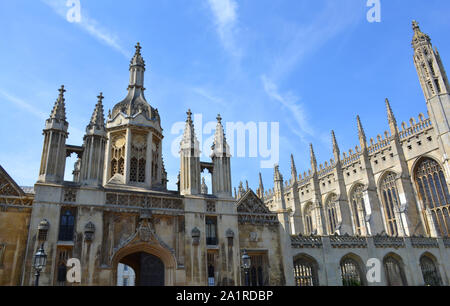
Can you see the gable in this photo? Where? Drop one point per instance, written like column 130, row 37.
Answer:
column 250, row 203
column 7, row 185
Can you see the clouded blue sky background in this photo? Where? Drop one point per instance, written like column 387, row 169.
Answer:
column 310, row 65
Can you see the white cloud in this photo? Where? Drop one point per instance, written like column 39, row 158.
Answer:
column 290, row 102
column 303, row 40
column 90, row 25
column 226, row 17
column 23, row 105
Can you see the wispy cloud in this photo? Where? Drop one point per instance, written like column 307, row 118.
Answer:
column 90, row 25
column 226, row 21
column 290, row 102
column 23, row 105
column 209, row 96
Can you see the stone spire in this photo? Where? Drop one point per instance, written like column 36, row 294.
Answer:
column 59, row 110
column 260, row 190
column 241, row 190
column 204, row 187
column 391, row 119
column 190, row 175
column 137, row 68
column 361, row 134
column 277, row 176
column 98, row 116
column 220, row 146
column 135, row 102
column 53, row 160
column 336, row 151
column 293, row 170
column 313, row 159
column 221, row 176
column 189, row 140
column 419, row 37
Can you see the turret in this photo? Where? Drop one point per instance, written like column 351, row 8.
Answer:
column 92, row 164
column 190, row 160
column 53, row 159
column 221, row 177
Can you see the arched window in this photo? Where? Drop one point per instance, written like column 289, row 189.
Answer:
column 433, row 192
column 309, row 229
column 118, row 156
column 332, row 217
column 351, row 272
column 138, row 159
column 430, row 272
column 358, row 209
column 393, row 267
column 305, row 272
column 391, row 202
column 66, row 225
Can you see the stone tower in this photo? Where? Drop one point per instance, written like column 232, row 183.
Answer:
column 134, row 147
column 92, row 165
column 221, row 177
column 436, row 88
column 190, row 173
column 53, row 159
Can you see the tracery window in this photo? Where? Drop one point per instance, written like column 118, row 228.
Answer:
column 391, row 202
column 433, row 192
column 309, row 229
column 138, row 159
column 331, row 208
column 351, row 273
column 66, row 225
column 211, row 231
column 118, row 156
column 395, row 275
column 358, row 209
column 258, row 272
column 305, row 272
column 62, row 255
column 155, row 159
column 430, row 272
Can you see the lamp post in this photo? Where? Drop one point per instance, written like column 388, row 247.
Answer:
column 246, row 264
column 39, row 261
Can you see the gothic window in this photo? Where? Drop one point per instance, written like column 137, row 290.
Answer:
column 155, row 159
column 351, row 272
column 358, row 209
column 211, row 263
column 118, row 156
column 258, row 270
column 390, row 203
column 331, row 209
column 211, row 231
column 138, row 159
column 309, row 229
column 393, row 268
column 430, row 272
column 433, row 192
column 62, row 255
column 66, row 225
column 305, row 272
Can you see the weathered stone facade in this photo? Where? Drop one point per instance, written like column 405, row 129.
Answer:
column 388, row 200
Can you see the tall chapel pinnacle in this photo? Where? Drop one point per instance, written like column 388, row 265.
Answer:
column 59, row 110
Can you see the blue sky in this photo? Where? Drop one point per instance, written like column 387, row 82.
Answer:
column 310, row 65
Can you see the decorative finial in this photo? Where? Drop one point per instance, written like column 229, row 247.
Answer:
column 138, row 48
column 189, row 113
column 415, row 25
column 219, row 118
column 100, row 97
column 61, row 90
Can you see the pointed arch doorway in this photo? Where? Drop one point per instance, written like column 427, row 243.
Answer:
column 152, row 264
column 149, row 269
